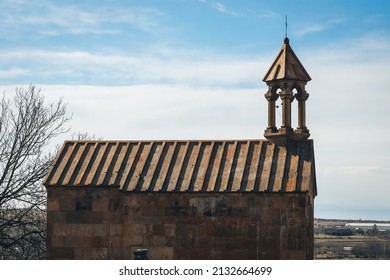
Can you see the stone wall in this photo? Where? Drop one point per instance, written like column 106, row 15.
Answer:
column 103, row 223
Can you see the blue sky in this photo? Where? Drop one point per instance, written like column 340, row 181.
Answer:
column 193, row 69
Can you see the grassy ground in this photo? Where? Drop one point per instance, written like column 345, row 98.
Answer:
column 331, row 247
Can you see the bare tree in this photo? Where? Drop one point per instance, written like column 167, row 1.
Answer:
column 85, row 136
column 27, row 124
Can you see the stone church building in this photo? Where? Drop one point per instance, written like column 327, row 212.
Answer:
column 231, row 199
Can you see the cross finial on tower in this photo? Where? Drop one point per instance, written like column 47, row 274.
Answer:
column 286, row 26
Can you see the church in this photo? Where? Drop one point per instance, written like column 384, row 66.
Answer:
column 214, row 199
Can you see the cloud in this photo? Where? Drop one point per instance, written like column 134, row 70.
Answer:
column 161, row 111
column 49, row 19
column 267, row 14
column 352, row 170
column 219, row 7
column 317, row 27
column 13, row 73
column 249, row 12
column 110, row 69
column 222, row 8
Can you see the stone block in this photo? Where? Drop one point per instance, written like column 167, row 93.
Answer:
column 161, row 253
column 101, row 230
column 78, row 253
column 302, row 201
column 294, row 239
column 82, row 229
column 100, row 242
column 96, row 253
column 232, row 254
column 235, row 200
column 158, row 229
column 205, row 229
column 162, row 201
column 203, row 243
column 300, row 213
column 177, row 209
column 76, row 242
column 252, row 231
column 83, row 204
column 280, row 202
column 61, row 253
column 112, row 193
column 250, row 244
column 111, row 217
column 114, row 204
column 238, row 212
column 133, row 211
column 199, row 254
column 145, row 220
column 61, row 230
column 219, row 243
column 158, row 241
column 151, row 211
column 53, row 204
column 185, row 241
column 181, row 253
column 57, row 242
column 75, row 217
column 215, row 254
column 250, row 201
column 58, row 217
column 100, row 204
column 262, row 201
column 295, row 221
column 115, row 242
column 67, row 204
column 296, row 255
column 87, row 241
column 134, row 229
column 133, row 201
column 133, row 240
column 190, row 220
column 169, row 229
column 232, row 244
column 117, row 254
column 169, row 241
column 116, row 230
column 93, row 217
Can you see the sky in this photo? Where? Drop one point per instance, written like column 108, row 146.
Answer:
column 193, row 69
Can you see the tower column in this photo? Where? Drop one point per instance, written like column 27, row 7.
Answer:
column 287, row 97
column 271, row 115
column 271, row 98
column 301, row 114
column 302, row 97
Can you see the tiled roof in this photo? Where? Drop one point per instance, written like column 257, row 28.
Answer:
column 185, row 166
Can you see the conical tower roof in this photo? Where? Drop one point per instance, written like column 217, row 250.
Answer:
column 286, row 66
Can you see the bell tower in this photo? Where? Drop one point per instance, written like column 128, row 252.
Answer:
column 286, row 79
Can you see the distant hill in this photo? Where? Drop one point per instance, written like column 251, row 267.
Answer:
column 337, row 221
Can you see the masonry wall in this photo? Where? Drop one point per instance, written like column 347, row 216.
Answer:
column 104, row 223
